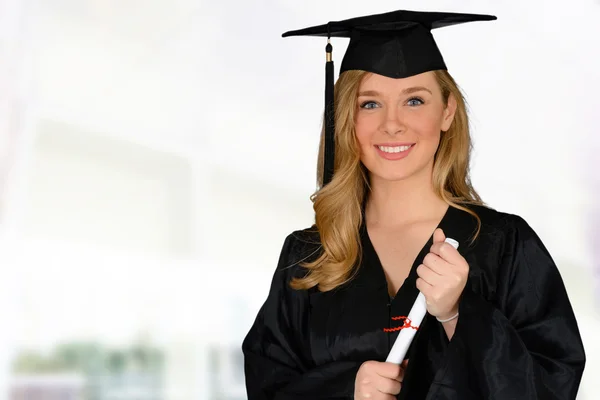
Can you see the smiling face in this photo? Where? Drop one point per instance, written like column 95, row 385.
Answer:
column 398, row 124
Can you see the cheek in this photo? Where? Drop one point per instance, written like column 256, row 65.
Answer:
column 365, row 128
column 426, row 125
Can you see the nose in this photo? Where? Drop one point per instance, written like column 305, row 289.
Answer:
column 393, row 123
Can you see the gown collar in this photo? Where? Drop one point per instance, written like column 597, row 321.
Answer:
column 455, row 223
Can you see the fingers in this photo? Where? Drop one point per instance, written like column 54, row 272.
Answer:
column 371, row 396
column 428, row 274
column 436, row 263
column 389, row 370
column 383, row 369
column 442, row 276
column 447, row 252
column 379, row 380
column 424, row 287
column 439, row 236
column 387, row 385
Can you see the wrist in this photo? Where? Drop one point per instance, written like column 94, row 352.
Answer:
column 453, row 314
column 452, row 318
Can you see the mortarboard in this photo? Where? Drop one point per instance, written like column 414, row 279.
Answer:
column 396, row 44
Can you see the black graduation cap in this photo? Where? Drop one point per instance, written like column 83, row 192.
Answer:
column 396, row 44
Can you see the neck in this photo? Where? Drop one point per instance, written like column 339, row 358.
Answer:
column 395, row 203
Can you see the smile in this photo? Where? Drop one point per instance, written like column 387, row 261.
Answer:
column 395, row 149
column 392, row 152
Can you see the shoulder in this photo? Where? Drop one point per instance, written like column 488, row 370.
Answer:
column 507, row 241
column 301, row 241
column 299, row 247
column 505, row 237
column 494, row 222
column 485, row 229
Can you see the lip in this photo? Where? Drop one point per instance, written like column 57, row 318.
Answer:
column 394, row 156
column 395, row 144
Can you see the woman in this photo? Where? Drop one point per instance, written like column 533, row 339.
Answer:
column 499, row 323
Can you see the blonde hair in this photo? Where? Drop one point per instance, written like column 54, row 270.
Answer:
column 339, row 205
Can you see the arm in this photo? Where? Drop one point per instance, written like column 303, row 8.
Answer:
column 528, row 346
column 277, row 360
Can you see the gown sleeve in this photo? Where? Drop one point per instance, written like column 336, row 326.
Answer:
column 277, row 362
column 528, row 345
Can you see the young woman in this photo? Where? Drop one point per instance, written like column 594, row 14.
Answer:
column 499, row 323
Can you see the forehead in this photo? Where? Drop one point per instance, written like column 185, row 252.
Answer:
column 384, row 84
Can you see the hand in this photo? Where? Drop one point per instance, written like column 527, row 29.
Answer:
column 442, row 277
column 379, row 380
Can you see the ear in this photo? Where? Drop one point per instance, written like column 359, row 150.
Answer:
column 449, row 113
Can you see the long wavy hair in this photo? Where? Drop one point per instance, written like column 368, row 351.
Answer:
column 338, row 205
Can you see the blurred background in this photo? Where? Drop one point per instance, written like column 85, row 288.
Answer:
column 154, row 154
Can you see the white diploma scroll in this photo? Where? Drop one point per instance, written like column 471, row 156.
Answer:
column 416, row 315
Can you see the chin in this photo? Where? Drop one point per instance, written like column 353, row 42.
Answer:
column 399, row 172
column 392, row 176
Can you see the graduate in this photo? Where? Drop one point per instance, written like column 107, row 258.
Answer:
column 393, row 184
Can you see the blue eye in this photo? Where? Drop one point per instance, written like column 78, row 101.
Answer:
column 368, row 105
column 415, row 101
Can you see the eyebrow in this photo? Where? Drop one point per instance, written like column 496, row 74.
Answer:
column 409, row 90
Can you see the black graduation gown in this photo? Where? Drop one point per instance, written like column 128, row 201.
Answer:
column 516, row 337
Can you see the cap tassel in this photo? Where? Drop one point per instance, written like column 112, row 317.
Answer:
column 329, row 117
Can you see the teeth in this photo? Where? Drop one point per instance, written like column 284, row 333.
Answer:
column 396, row 149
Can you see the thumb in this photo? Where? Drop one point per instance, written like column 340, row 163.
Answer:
column 438, row 236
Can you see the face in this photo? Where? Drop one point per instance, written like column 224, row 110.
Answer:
column 399, row 123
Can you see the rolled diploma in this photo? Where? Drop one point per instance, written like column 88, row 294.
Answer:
column 416, row 315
